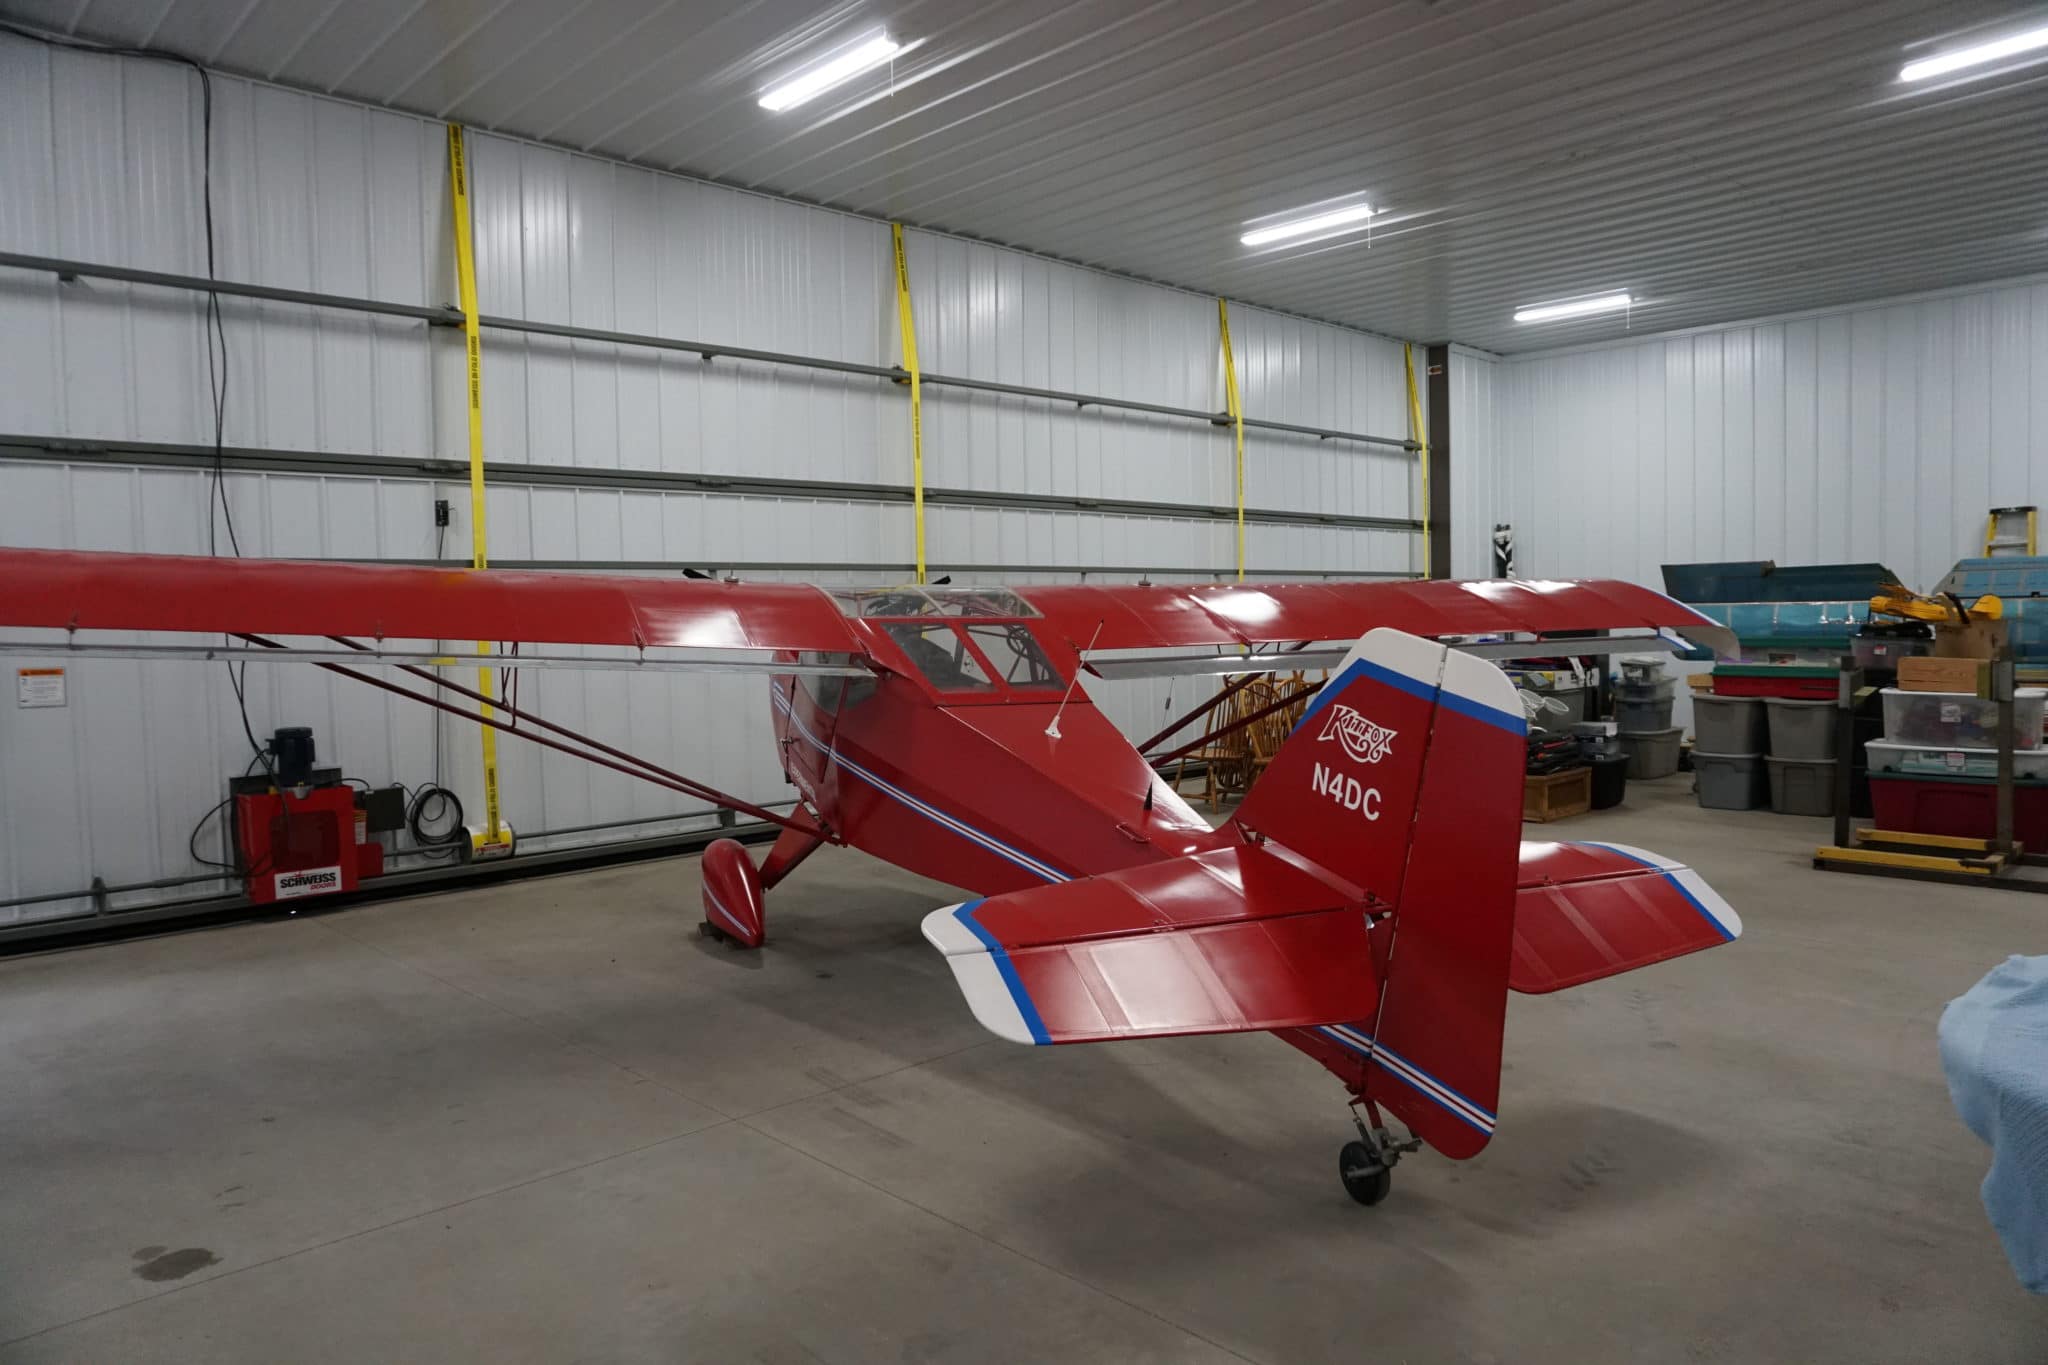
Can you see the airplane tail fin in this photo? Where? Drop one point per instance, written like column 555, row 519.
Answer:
column 1404, row 778
column 1377, row 920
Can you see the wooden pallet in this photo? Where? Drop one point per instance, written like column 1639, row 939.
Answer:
column 1554, row 796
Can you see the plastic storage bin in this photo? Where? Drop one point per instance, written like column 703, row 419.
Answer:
column 1957, row 720
column 1728, row 725
column 1964, row 807
column 1642, row 717
column 1559, row 722
column 1802, row 730
column 1730, row 781
column 1642, row 671
column 1815, row 681
column 1889, row 756
column 1652, row 754
column 1802, row 786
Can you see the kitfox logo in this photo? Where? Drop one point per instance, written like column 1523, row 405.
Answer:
column 1366, row 743
column 1363, row 740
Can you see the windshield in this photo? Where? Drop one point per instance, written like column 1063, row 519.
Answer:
column 941, row 655
column 1014, row 655
column 927, row 601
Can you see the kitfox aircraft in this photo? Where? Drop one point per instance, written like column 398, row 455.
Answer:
column 1370, row 902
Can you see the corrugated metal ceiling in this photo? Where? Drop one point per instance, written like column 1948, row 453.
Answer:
column 1719, row 160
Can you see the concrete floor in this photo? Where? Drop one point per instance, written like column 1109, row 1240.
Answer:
column 547, row 1123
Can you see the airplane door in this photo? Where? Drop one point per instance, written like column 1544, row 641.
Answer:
column 810, row 707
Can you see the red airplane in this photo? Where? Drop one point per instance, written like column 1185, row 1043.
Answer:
column 1370, row 902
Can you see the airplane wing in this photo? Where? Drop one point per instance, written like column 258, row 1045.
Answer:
column 1162, row 616
column 1585, row 911
column 75, row 590
column 1220, row 942
column 81, row 590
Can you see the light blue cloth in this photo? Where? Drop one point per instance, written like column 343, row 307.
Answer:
column 1994, row 1047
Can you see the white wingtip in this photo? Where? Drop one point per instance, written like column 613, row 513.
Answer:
column 975, row 970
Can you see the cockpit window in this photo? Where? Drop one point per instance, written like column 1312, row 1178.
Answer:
column 827, row 689
column 1014, row 655
column 938, row 652
column 927, row 601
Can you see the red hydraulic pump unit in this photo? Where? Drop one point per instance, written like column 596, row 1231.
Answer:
column 301, row 831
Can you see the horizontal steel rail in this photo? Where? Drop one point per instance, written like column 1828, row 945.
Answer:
column 202, row 652
column 504, row 473
column 709, row 350
column 891, row 571
column 73, row 270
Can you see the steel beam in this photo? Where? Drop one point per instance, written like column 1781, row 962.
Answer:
column 267, row 460
column 709, row 350
column 1443, row 441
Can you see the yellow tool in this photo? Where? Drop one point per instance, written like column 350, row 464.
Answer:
column 2009, row 531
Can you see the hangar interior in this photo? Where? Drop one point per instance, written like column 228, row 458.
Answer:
column 1238, row 315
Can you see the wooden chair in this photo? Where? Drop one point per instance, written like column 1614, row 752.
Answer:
column 1232, row 762
column 1225, row 758
column 1265, row 735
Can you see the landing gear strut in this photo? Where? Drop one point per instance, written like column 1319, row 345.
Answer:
column 1367, row 1166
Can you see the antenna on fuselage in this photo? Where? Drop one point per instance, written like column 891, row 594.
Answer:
column 1052, row 731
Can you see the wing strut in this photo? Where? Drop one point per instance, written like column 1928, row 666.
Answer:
column 632, row 765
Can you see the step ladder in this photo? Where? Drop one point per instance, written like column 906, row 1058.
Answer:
column 2009, row 532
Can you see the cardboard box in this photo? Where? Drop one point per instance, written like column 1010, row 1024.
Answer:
column 1926, row 674
column 1970, row 640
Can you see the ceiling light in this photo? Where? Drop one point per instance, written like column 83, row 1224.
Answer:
column 1307, row 227
column 1941, row 63
column 862, row 54
column 1573, row 308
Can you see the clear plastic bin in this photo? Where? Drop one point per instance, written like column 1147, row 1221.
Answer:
column 1889, row 756
column 1957, row 720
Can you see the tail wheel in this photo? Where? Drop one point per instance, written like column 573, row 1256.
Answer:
column 1365, row 1177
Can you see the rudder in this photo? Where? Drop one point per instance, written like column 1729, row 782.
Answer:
column 1405, row 779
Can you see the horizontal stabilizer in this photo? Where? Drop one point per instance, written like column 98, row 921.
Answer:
column 1585, row 911
column 1227, row 941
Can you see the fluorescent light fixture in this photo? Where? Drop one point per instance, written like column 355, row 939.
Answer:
column 1307, row 227
column 1573, row 308
column 1941, row 63
column 862, row 54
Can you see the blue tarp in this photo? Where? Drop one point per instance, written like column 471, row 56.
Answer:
column 1994, row 1047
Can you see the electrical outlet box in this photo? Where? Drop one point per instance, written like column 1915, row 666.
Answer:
column 440, row 511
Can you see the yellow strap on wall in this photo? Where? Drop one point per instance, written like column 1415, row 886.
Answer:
column 1235, row 404
column 909, row 329
column 465, row 273
column 1422, row 445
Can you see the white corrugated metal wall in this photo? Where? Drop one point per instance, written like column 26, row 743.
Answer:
column 101, row 162
column 1880, row 432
